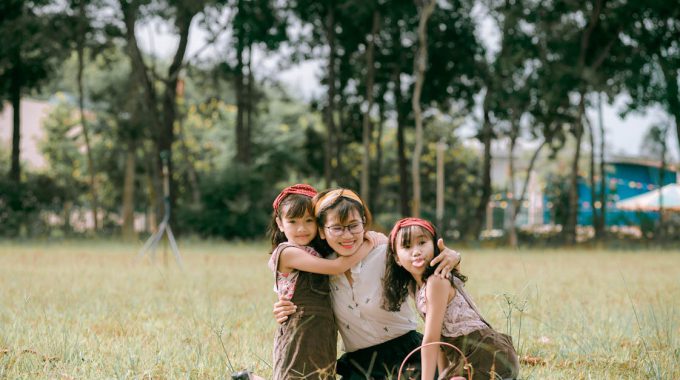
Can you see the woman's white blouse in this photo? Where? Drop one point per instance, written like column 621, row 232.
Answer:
column 358, row 312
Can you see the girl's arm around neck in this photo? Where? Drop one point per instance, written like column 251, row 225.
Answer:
column 438, row 293
column 296, row 258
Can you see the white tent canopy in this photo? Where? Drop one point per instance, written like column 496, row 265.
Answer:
column 669, row 195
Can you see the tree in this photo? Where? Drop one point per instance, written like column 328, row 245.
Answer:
column 508, row 96
column 322, row 18
column 655, row 144
column 578, row 39
column 85, row 37
column 255, row 23
column 366, row 124
column 654, row 59
column 161, row 104
column 419, row 65
column 27, row 61
column 398, row 22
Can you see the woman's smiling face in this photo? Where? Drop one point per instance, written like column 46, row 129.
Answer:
column 346, row 243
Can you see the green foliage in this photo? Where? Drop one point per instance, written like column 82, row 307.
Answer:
column 30, row 50
column 61, row 148
column 235, row 204
column 453, row 76
column 528, row 87
column 25, row 207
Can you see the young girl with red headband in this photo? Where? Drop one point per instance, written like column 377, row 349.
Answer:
column 450, row 315
column 305, row 345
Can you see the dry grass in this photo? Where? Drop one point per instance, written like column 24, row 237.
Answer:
column 91, row 311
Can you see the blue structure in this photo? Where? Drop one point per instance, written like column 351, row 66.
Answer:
column 625, row 178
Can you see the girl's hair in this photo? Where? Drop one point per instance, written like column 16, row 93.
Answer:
column 295, row 206
column 342, row 201
column 398, row 282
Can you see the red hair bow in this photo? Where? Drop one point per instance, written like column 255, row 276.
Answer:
column 408, row 222
column 299, row 188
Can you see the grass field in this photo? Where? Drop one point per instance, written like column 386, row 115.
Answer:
column 90, row 310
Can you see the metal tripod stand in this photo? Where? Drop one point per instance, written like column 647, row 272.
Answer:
column 163, row 228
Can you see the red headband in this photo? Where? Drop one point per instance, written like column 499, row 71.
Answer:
column 408, row 222
column 301, row 189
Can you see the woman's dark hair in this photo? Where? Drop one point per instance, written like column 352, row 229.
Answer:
column 344, row 207
column 295, row 206
column 397, row 281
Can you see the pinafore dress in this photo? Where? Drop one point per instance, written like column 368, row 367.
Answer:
column 305, row 345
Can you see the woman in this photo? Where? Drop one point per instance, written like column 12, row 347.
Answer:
column 375, row 340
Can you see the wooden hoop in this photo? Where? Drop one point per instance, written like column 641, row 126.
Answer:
column 467, row 365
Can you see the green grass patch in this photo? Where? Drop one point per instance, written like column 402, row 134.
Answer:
column 86, row 310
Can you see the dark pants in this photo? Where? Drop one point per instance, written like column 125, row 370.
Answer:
column 383, row 360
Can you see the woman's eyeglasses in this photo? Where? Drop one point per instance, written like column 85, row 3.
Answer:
column 353, row 228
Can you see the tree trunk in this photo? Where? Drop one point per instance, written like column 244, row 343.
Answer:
column 339, row 174
column 660, row 228
column 192, row 176
column 603, row 174
column 572, row 214
column 419, row 67
column 570, row 230
column 68, row 229
column 597, row 226
column 485, row 135
column 150, row 99
column 439, row 208
column 154, row 190
column 672, row 94
column 401, row 146
column 128, row 207
column 241, row 155
column 515, row 207
column 519, row 200
column 163, row 125
column 377, row 173
column 330, row 108
column 250, row 103
column 80, row 40
column 183, row 23
column 15, row 98
column 366, row 127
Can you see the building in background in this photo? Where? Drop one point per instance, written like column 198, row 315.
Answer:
column 626, row 177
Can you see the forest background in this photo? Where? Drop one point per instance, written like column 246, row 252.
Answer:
column 399, row 78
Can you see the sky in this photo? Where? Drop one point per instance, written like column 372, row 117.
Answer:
column 623, row 135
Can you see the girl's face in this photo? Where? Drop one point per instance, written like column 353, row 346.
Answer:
column 414, row 255
column 344, row 238
column 299, row 230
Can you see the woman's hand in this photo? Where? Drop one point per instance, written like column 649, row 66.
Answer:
column 446, row 261
column 282, row 309
column 375, row 237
